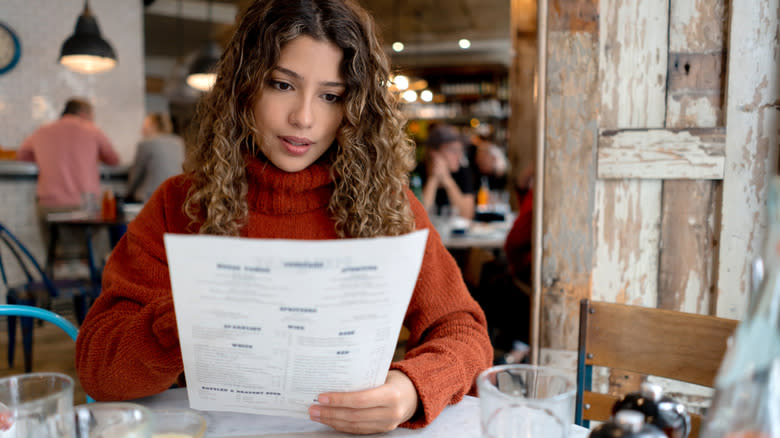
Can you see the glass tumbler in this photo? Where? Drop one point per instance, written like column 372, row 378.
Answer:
column 36, row 405
column 178, row 423
column 525, row 401
column 113, row 420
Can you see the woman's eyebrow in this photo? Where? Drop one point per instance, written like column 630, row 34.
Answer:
column 297, row 76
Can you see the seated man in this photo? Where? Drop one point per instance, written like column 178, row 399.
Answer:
column 445, row 174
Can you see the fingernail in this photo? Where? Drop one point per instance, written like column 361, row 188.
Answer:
column 314, row 413
column 323, row 399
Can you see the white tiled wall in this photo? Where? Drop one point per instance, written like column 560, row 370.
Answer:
column 35, row 91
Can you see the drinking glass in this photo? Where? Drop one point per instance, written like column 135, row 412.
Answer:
column 525, row 401
column 178, row 423
column 36, row 405
column 113, row 420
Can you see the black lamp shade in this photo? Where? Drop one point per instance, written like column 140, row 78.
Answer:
column 85, row 50
column 202, row 72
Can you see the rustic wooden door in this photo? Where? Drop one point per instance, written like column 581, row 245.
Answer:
column 660, row 138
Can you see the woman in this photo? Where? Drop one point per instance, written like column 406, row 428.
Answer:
column 299, row 139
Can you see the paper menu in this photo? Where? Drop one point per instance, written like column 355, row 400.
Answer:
column 265, row 325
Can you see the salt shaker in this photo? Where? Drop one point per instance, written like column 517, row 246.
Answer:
column 627, row 424
column 660, row 410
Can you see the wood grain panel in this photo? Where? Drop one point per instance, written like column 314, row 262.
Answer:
column 574, row 15
column 686, row 262
column 751, row 145
column 631, row 33
column 570, row 174
column 696, row 84
column 662, row 154
column 680, row 346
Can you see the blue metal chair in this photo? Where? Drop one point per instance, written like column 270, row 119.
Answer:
column 36, row 284
column 36, row 312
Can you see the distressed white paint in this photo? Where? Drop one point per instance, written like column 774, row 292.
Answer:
column 692, row 299
column 692, row 28
column 627, row 213
column 627, row 234
column 565, row 360
column 751, row 146
column 632, row 63
column 661, row 154
column 691, row 111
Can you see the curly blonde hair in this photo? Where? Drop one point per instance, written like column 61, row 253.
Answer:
column 372, row 156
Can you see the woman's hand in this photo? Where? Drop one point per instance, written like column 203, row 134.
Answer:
column 375, row 410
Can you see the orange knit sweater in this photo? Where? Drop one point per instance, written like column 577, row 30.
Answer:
column 128, row 346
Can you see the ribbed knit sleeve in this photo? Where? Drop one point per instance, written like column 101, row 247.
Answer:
column 128, row 346
column 448, row 345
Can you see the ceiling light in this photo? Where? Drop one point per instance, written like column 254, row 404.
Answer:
column 202, row 73
column 409, row 95
column 464, row 43
column 398, row 46
column 85, row 51
column 426, row 95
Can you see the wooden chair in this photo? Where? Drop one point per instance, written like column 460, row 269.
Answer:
column 676, row 345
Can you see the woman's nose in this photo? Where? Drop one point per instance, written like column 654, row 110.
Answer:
column 302, row 114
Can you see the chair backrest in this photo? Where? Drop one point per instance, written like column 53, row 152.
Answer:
column 665, row 343
column 30, row 267
column 37, row 312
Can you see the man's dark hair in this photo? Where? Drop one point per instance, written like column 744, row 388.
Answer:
column 77, row 106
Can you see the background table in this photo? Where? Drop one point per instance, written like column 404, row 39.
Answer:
column 458, row 421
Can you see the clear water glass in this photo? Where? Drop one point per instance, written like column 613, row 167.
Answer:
column 525, row 401
column 113, row 420
column 36, row 405
column 178, row 423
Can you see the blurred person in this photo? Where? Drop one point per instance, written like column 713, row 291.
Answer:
column 67, row 152
column 487, row 160
column 158, row 157
column 446, row 178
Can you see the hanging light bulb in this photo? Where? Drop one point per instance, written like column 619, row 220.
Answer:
column 85, row 51
column 202, row 73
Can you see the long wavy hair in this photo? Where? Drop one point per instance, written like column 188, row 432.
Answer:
column 371, row 157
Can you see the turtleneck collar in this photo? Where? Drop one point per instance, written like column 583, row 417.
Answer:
column 274, row 191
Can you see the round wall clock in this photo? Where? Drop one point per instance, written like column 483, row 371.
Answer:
column 10, row 48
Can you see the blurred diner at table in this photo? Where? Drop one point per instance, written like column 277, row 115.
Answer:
column 159, row 156
column 67, row 152
column 447, row 183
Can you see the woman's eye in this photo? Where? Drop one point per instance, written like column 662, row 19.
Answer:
column 332, row 98
column 281, row 86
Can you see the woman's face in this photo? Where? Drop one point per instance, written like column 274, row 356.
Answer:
column 300, row 108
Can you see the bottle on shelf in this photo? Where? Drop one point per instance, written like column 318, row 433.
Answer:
column 746, row 402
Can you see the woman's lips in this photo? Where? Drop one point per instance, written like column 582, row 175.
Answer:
column 296, row 145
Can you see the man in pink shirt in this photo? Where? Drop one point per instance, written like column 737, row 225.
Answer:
column 67, row 152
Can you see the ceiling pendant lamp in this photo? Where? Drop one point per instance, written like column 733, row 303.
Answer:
column 202, row 72
column 85, row 51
